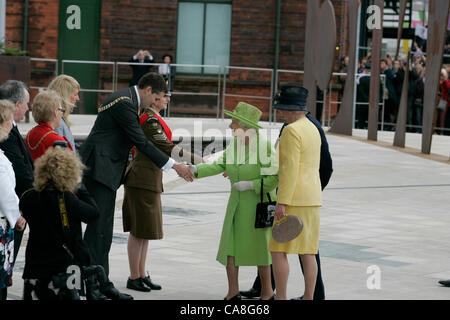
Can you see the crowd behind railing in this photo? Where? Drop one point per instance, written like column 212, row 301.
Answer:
column 391, row 83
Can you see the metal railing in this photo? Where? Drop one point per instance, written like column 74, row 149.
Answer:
column 221, row 94
column 219, row 73
column 224, row 94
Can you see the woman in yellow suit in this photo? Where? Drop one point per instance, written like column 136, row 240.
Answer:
column 299, row 189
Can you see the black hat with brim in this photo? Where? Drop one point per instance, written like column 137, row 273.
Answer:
column 291, row 98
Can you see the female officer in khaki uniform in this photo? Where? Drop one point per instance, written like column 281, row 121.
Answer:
column 141, row 209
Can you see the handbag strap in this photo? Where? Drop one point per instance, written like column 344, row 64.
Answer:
column 261, row 192
column 64, row 222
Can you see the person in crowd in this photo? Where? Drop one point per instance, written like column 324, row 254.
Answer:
column 14, row 146
column 48, row 113
column 442, row 102
column 325, row 171
column 54, row 210
column 342, row 78
column 67, row 88
column 299, row 190
column 399, row 71
column 241, row 244
column 418, row 97
column 412, row 84
column 141, row 210
column 167, row 71
column 392, row 102
column 362, row 98
column 10, row 216
column 105, row 152
column 141, row 57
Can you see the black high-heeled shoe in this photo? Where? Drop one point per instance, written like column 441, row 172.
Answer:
column 234, row 298
column 271, row 298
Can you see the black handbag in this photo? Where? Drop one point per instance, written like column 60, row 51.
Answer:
column 265, row 211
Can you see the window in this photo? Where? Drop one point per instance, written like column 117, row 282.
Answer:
column 203, row 36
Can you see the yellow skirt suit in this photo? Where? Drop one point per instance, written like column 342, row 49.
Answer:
column 299, row 185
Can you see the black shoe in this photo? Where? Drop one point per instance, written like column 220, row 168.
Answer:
column 252, row 293
column 271, row 298
column 148, row 282
column 138, row 285
column 297, row 298
column 114, row 294
column 445, row 283
column 235, row 298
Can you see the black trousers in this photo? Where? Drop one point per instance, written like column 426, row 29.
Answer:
column 3, row 294
column 18, row 235
column 98, row 234
column 319, row 291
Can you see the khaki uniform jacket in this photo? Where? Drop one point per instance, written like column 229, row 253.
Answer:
column 299, row 161
column 142, row 172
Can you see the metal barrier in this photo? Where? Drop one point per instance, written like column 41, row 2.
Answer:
column 117, row 64
column 222, row 88
column 224, row 94
column 45, row 60
column 91, row 62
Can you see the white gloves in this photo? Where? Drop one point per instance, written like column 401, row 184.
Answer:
column 244, row 185
column 193, row 169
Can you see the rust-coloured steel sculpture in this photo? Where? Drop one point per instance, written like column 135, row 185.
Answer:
column 437, row 27
column 320, row 48
column 401, row 19
column 374, row 97
column 344, row 120
column 400, row 128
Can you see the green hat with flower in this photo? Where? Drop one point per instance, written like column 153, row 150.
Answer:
column 247, row 114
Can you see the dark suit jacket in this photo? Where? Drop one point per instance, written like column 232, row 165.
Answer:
column 17, row 152
column 106, row 149
column 326, row 163
column 139, row 70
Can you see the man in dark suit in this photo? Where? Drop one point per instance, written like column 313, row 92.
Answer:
column 325, row 171
column 142, row 57
column 105, row 153
column 15, row 149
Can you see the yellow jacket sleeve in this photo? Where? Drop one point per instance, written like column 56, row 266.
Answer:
column 289, row 165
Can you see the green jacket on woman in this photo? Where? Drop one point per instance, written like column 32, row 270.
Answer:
column 240, row 238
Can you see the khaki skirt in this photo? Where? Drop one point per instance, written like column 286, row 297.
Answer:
column 307, row 242
column 142, row 213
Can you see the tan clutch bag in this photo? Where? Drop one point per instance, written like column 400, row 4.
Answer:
column 287, row 228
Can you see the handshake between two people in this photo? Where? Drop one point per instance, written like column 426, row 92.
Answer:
column 187, row 171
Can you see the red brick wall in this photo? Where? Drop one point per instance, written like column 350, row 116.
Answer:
column 128, row 26
column 42, row 26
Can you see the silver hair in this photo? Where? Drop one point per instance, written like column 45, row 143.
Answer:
column 13, row 91
column 246, row 126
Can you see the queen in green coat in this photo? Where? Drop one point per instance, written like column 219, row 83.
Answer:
column 248, row 160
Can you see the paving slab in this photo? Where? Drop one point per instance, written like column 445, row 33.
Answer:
column 382, row 209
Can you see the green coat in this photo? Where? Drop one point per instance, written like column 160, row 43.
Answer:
column 240, row 238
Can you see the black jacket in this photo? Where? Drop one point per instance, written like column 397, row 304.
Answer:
column 326, row 163
column 106, row 149
column 45, row 255
column 139, row 70
column 17, row 152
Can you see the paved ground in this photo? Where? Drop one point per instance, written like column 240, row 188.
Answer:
column 382, row 208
